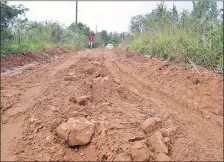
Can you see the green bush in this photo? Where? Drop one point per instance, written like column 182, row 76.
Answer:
column 169, row 35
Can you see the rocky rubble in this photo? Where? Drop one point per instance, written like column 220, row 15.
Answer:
column 76, row 131
column 159, row 140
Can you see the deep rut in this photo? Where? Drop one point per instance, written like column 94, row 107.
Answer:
column 125, row 90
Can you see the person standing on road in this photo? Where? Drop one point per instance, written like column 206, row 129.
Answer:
column 91, row 40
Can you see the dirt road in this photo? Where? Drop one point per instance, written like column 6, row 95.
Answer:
column 125, row 90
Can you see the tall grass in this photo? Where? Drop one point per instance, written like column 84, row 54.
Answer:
column 198, row 38
column 177, row 45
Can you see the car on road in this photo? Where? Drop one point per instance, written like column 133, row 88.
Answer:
column 109, row 46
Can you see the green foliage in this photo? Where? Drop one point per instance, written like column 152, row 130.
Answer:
column 102, row 38
column 167, row 34
column 19, row 35
column 136, row 24
column 10, row 13
column 82, row 29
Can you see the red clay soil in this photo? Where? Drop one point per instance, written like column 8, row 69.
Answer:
column 28, row 57
column 125, row 90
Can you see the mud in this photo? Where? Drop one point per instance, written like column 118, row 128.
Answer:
column 123, row 91
column 25, row 58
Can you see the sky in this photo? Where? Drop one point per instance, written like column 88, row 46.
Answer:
column 106, row 15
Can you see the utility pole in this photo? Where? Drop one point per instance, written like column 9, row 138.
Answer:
column 76, row 20
column 96, row 29
column 193, row 5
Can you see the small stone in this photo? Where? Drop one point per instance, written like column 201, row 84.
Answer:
column 96, row 63
column 158, row 143
column 4, row 120
column 149, row 124
column 70, row 78
column 139, row 151
column 105, row 78
column 206, row 114
column 76, row 131
column 71, row 74
column 90, row 71
column 169, row 132
column 50, row 138
column 54, row 109
column 120, row 158
column 122, row 89
column 163, row 157
column 33, row 119
column 82, row 100
column 73, row 100
column 195, row 81
column 89, row 84
column 89, row 117
column 166, row 140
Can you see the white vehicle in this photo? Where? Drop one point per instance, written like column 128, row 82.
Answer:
column 109, row 46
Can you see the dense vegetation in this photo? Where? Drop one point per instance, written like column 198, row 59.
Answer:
column 20, row 35
column 197, row 35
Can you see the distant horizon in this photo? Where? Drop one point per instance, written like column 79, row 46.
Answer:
column 106, row 15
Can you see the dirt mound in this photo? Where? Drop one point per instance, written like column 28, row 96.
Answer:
column 138, row 106
column 28, row 57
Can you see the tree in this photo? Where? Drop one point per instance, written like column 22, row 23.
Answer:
column 103, row 35
column 82, row 28
column 9, row 17
column 10, row 13
column 136, row 24
column 174, row 15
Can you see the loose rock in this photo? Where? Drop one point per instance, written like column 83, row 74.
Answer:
column 69, row 78
column 120, row 158
column 149, row 124
column 122, row 89
column 158, row 143
column 163, row 157
column 195, row 81
column 169, row 131
column 167, row 140
column 76, row 131
column 89, row 84
column 90, row 71
column 33, row 119
column 140, row 152
column 49, row 138
column 54, row 109
column 82, row 100
column 72, row 99
column 206, row 114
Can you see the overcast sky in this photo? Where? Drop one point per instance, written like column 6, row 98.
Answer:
column 108, row 15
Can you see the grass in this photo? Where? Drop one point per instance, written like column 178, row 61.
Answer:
column 178, row 44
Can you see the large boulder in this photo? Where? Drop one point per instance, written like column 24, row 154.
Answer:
column 76, row 131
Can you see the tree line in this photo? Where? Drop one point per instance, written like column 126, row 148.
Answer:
column 178, row 36
column 18, row 34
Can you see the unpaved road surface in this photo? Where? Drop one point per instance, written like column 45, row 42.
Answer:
column 125, row 89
